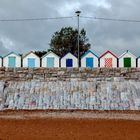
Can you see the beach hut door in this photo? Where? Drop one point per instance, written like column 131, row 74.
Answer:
column 69, row 63
column 108, row 62
column 50, row 62
column 127, row 62
column 12, row 61
column 31, row 62
column 89, row 62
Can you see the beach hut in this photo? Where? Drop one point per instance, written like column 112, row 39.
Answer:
column 89, row 60
column 138, row 61
column 69, row 61
column 50, row 60
column 12, row 60
column 31, row 60
column 127, row 60
column 108, row 60
column 0, row 61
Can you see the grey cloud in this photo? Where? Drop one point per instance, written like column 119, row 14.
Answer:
column 103, row 35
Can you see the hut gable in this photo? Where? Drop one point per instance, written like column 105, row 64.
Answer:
column 12, row 60
column 108, row 60
column 127, row 54
column 50, row 53
column 69, row 60
column 89, row 60
column 108, row 52
column 50, row 60
column 31, row 60
column 31, row 53
column 89, row 52
column 127, row 59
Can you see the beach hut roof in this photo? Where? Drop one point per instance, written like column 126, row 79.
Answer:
column 30, row 53
column 11, row 53
column 67, row 54
column 126, row 53
column 49, row 53
column 89, row 51
column 108, row 52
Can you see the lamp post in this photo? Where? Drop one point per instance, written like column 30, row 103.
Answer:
column 78, row 14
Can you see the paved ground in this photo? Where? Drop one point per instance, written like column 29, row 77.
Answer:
column 81, row 125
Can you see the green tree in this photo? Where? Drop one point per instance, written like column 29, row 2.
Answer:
column 40, row 53
column 65, row 41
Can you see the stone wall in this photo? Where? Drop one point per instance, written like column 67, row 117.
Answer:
column 100, row 89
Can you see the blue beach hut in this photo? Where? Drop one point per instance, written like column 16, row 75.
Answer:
column 12, row 60
column 89, row 60
column 69, row 61
column 31, row 60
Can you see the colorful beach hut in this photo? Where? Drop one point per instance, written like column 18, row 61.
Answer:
column 12, row 60
column 69, row 61
column 127, row 60
column 89, row 60
column 138, row 61
column 0, row 61
column 31, row 60
column 50, row 60
column 108, row 60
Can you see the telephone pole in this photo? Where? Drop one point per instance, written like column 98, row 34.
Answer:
column 78, row 14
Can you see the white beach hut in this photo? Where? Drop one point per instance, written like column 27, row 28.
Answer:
column 0, row 61
column 108, row 60
column 138, row 61
column 31, row 60
column 12, row 60
column 127, row 60
column 50, row 60
column 89, row 60
column 69, row 61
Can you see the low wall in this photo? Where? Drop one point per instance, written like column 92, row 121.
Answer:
column 100, row 89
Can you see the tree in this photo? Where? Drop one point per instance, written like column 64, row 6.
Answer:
column 65, row 41
column 40, row 53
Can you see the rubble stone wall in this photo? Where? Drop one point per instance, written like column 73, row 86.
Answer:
column 92, row 89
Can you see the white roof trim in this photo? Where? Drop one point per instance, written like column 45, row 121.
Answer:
column 49, row 53
column 126, row 53
column 70, row 54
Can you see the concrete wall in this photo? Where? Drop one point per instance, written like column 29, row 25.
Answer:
column 101, row 89
column 89, row 55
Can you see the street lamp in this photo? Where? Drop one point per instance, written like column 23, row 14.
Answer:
column 78, row 14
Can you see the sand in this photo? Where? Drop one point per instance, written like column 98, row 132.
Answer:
column 30, row 126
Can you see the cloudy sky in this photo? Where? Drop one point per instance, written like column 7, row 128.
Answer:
column 103, row 35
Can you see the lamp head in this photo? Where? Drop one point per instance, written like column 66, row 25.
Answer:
column 78, row 13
